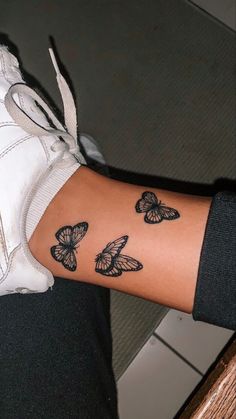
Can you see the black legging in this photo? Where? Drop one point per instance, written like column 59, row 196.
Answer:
column 56, row 354
column 56, row 347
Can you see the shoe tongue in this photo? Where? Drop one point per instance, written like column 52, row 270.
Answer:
column 9, row 66
column 9, row 71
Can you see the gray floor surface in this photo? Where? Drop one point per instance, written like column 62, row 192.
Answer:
column 155, row 84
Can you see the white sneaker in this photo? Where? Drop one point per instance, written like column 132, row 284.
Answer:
column 34, row 165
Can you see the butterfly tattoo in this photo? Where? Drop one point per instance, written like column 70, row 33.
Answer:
column 111, row 262
column 155, row 210
column 68, row 238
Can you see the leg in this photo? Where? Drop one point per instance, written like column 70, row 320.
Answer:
column 169, row 251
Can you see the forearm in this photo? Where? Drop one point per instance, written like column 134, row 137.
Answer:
column 169, row 251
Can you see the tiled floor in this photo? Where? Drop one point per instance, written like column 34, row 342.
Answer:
column 223, row 10
column 169, row 367
column 198, row 342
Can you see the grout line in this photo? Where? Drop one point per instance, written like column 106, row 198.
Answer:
column 178, row 354
column 211, row 15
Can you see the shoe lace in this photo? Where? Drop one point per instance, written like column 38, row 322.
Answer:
column 69, row 147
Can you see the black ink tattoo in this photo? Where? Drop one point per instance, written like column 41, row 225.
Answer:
column 68, row 238
column 155, row 210
column 110, row 262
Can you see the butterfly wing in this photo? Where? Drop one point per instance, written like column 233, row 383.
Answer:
column 115, row 247
column 63, row 235
column 114, row 271
column 69, row 261
column 168, row 213
column 147, row 201
column 126, row 263
column 103, row 262
column 105, row 265
column 78, row 232
column 59, row 252
column 64, row 255
column 153, row 216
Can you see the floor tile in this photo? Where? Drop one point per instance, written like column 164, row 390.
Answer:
column 224, row 10
column 198, row 342
column 156, row 384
